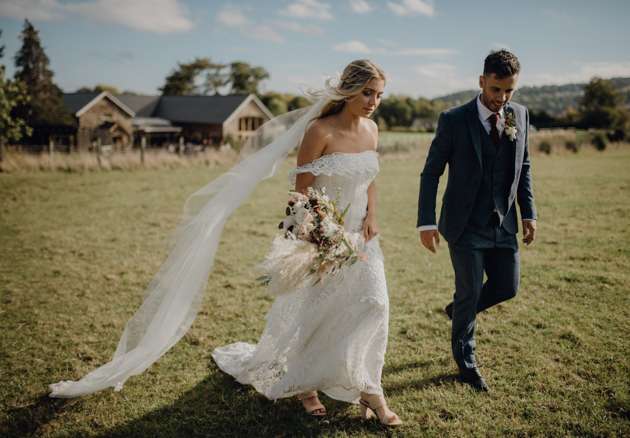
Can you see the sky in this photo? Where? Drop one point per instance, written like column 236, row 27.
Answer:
column 428, row 48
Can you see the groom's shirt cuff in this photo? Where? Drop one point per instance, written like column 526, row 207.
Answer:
column 427, row 227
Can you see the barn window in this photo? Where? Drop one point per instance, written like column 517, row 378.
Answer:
column 249, row 123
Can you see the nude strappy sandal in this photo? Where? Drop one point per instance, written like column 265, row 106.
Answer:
column 309, row 411
column 369, row 407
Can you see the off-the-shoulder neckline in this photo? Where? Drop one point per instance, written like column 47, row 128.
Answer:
column 340, row 153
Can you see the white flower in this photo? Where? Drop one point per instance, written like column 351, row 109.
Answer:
column 329, row 227
column 511, row 132
column 289, row 221
column 303, row 217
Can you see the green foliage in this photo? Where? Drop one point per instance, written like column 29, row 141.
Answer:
column 183, row 81
column 571, row 145
column 601, row 106
column 545, row 147
column 598, row 139
column 45, row 106
column 277, row 105
column 245, row 78
column 281, row 103
column 400, row 111
column 12, row 94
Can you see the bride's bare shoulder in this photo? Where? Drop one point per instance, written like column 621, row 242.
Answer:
column 372, row 128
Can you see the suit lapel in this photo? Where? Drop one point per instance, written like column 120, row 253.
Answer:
column 473, row 124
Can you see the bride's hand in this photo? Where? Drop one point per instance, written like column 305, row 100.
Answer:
column 370, row 227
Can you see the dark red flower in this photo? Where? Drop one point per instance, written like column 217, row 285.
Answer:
column 281, row 225
column 288, row 211
column 291, row 203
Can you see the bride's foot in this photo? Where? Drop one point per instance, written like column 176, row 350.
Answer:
column 372, row 403
column 311, row 404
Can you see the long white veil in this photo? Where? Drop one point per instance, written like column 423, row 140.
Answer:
column 172, row 299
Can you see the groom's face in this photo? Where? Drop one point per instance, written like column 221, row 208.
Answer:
column 496, row 93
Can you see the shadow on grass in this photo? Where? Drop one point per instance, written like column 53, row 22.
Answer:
column 217, row 406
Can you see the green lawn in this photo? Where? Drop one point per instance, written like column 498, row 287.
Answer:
column 77, row 251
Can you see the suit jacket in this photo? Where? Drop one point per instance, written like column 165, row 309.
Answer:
column 458, row 143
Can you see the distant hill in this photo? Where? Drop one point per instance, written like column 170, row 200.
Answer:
column 555, row 99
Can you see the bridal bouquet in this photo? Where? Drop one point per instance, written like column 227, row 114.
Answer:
column 314, row 243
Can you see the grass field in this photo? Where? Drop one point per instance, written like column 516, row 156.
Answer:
column 77, row 251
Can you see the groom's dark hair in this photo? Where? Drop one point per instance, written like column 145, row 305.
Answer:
column 502, row 63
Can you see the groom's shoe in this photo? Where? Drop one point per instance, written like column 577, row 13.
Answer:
column 449, row 310
column 474, row 378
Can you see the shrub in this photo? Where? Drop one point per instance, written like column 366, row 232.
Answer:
column 570, row 145
column 545, row 147
column 599, row 141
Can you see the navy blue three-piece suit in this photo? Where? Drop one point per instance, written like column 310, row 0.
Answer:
column 478, row 217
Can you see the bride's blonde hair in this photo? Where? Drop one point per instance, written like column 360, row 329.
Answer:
column 351, row 83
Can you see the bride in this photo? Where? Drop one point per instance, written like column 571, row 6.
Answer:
column 332, row 336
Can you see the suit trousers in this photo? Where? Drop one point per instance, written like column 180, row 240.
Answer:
column 490, row 249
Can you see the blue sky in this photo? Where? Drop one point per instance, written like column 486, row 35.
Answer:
column 428, row 48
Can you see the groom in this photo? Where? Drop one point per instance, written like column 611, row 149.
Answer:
column 485, row 143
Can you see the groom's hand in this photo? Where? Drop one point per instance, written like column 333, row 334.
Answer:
column 427, row 236
column 529, row 232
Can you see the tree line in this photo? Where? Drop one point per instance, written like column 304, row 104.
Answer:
column 31, row 98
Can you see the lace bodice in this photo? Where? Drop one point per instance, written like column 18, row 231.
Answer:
column 350, row 175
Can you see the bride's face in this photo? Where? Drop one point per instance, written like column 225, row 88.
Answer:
column 366, row 102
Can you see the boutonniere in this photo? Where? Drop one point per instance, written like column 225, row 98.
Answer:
column 510, row 125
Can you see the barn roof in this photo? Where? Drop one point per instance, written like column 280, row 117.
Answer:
column 198, row 109
column 79, row 103
column 177, row 109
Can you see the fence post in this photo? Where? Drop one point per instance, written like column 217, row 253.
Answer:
column 181, row 146
column 143, row 145
column 51, row 149
column 98, row 151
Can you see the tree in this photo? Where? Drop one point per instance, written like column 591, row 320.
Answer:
column 245, row 79
column 99, row 89
column 601, row 106
column 45, row 105
column 12, row 93
column 183, row 81
column 216, row 78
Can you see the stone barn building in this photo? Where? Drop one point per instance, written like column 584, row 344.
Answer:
column 207, row 119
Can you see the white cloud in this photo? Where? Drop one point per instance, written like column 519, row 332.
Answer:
column 352, row 47
column 35, row 10
column 562, row 17
column 308, row 9
column 355, row 46
column 233, row 17
column 500, row 46
column 413, row 7
column 360, row 6
column 305, row 29
column 157, row 16
column 580, row 73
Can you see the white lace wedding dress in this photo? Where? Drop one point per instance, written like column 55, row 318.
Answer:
column 330, row 337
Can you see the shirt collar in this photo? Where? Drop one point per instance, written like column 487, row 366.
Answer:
column 484, row 112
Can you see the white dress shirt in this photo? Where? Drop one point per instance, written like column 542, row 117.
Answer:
column 484, row 115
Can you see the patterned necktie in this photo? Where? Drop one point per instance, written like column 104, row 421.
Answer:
column 494, row 133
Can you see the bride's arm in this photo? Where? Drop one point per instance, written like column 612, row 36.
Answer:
column 370, row 225
column 312, row 147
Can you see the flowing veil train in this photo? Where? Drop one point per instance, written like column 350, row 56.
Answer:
column 172, row 299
